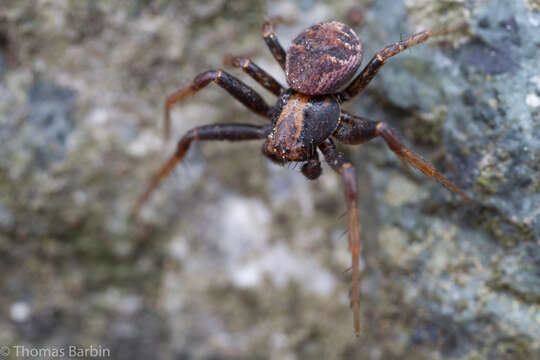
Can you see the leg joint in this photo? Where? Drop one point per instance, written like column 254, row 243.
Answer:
column 206, row 77
column 391, row 138
column 185, row 142
column 381, row 128
column 236, row 61
column 349, row 180
column 267, row 29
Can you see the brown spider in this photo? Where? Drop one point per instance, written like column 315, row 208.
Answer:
column 319, row 61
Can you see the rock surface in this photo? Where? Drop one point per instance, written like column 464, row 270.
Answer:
column 235, row 257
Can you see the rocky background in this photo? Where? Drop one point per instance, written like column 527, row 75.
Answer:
column 235, row 257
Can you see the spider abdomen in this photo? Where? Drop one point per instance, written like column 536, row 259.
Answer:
column 323, row 58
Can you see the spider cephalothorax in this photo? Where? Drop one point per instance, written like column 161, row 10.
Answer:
column 307, row 115
column 300, row 124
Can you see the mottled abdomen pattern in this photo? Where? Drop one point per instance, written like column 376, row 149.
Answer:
column 322, row 58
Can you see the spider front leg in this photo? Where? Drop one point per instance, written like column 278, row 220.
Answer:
column 362, row 130
column 374, row 65
column 272, row 42
column 235, row 87
column 337, row 161
column 256, row 73
column 230, row 132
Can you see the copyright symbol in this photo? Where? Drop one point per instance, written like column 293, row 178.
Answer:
column 4, row 351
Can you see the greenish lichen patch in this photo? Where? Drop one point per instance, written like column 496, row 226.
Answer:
column 426, row 14
column 508, row 232
column 486, row 185
column 517, row 273
column 534, row 5
column 427, row 128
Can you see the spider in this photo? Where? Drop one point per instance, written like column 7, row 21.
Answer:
column 307, row 115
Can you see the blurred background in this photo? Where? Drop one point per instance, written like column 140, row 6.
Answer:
column 235, row 257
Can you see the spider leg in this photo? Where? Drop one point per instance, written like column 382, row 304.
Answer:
column 374, row 65
column 337, row 161
column 229, row 132
column 235, row 87
column 256, row 73
column 312, row 168
column 272, row 42
column 362, row 130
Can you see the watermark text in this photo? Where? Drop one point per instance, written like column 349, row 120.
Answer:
column 53, row 352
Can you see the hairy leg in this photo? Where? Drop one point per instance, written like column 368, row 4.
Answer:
column 337, row 161
column 374, row 65
column 229, row 132
column 272, row 42
column 235, row 87
column 361, row 130
column 256, row 73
